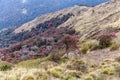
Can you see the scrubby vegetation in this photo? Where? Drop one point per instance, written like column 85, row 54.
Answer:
column 70, row 43
column 72, row 69
column 59, row 54
column 105, row 39
column 56, row 50
column 88, row 46
column 5, row 67
column 54, row 42
column 114, row 46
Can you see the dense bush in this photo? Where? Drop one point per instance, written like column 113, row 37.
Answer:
column 52, row 41
column 5, row 67
column 70, row 43
column 16, row 47
column 105, row 39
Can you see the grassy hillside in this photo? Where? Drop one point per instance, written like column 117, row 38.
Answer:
column 67, row 45
column 26, row 10
column 65, row 69
column 97, row 61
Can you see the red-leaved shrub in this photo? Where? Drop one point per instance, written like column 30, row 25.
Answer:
column 15, row 47
column 70, row 42
column 105, row 39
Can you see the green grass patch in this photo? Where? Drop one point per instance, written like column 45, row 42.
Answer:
column 32, row 63
column 88, row 46
column 108, row 71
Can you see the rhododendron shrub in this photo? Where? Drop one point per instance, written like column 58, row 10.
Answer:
column 16, row 47
column 105, row 39
column 70, row 43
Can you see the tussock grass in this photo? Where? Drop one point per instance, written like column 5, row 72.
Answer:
column 114, row 46
column 32, row 63
column 72, row 69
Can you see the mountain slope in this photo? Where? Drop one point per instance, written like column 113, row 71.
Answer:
column 41, row 23
column 99, row 18
column 87, row 21
column 68, row 45
column 17, row 12
column 75, row 11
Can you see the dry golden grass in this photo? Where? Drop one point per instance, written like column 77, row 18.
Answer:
column 103, row 70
